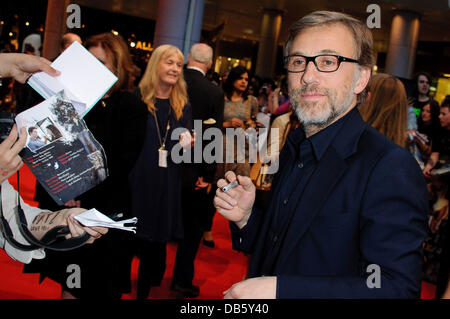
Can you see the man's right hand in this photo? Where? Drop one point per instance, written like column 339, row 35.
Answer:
column 236, row 204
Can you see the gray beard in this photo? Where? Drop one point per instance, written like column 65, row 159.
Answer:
column 333, row 110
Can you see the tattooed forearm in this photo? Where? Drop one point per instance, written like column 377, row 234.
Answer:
column 45, row 218
column 43, row 222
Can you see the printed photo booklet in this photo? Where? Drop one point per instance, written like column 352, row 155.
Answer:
column 61, row 152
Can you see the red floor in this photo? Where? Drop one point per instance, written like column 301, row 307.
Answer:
column 216, row 269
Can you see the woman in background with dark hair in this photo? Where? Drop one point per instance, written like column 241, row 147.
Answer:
column 239, row 112
column 428, row 125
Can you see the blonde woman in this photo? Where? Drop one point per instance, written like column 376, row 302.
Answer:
column 156, row 179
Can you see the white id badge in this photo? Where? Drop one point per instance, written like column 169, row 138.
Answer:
column 162, row 158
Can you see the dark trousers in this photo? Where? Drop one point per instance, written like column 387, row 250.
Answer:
column 197, row 206
column 152, row 265
column 209, row 210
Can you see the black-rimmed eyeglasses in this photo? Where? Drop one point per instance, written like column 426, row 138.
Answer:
column 324, row 62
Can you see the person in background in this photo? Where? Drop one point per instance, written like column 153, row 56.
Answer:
column 278, row 102
column 281, row 126
column 223, row 78
column 105, row 264
column 265, row 91
column 207, row 102
column 239, row 113
column 440, row 153
column 428, row 126
column 422, row 82
column 155, row 179
column 68, row 38
column 439, row 223
column 386, row 107
column 20, row 67
column 254, row 85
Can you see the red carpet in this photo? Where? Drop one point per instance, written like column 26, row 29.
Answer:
column 216, row 269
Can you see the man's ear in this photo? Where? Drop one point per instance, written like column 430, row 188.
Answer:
column 363, row 79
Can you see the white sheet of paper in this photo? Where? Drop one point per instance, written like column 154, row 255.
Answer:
column 93, row 218
column 83, row 77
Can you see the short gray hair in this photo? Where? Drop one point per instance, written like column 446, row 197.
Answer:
column 202, row 53
column 361, row 33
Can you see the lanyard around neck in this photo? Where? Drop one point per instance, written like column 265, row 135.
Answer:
column 161, row 141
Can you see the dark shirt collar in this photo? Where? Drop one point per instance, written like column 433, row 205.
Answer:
column 319, row 141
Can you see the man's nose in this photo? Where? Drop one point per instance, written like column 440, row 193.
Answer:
column 310, row 74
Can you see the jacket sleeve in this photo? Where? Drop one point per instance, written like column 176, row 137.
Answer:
column 207, row 171
column 244, row 239
column 392, row 229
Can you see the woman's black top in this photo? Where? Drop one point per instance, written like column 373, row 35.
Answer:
column 156, row 191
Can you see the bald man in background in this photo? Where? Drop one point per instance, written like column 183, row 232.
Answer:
column 69, row 38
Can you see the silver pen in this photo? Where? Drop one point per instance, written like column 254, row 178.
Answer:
column 226, row 188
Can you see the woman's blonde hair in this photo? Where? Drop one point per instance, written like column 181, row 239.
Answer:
column 178, row 96
column 117, row 50
column 387, row 107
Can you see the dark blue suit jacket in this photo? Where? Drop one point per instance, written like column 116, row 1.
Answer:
column 366, row 203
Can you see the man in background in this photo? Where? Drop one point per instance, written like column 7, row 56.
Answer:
column 67, row 39
column 207, row 101
column 423, row 81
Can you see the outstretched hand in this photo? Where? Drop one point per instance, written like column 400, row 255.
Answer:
column 21, row 66
column 43, row 222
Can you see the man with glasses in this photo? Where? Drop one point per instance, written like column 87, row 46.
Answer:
column 347, row 215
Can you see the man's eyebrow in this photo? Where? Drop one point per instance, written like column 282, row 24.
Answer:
column 329, row 51
column 324, row 51
column 296, row 53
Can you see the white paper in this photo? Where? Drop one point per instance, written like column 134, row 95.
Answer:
column 93, row 218
column 83, row 78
